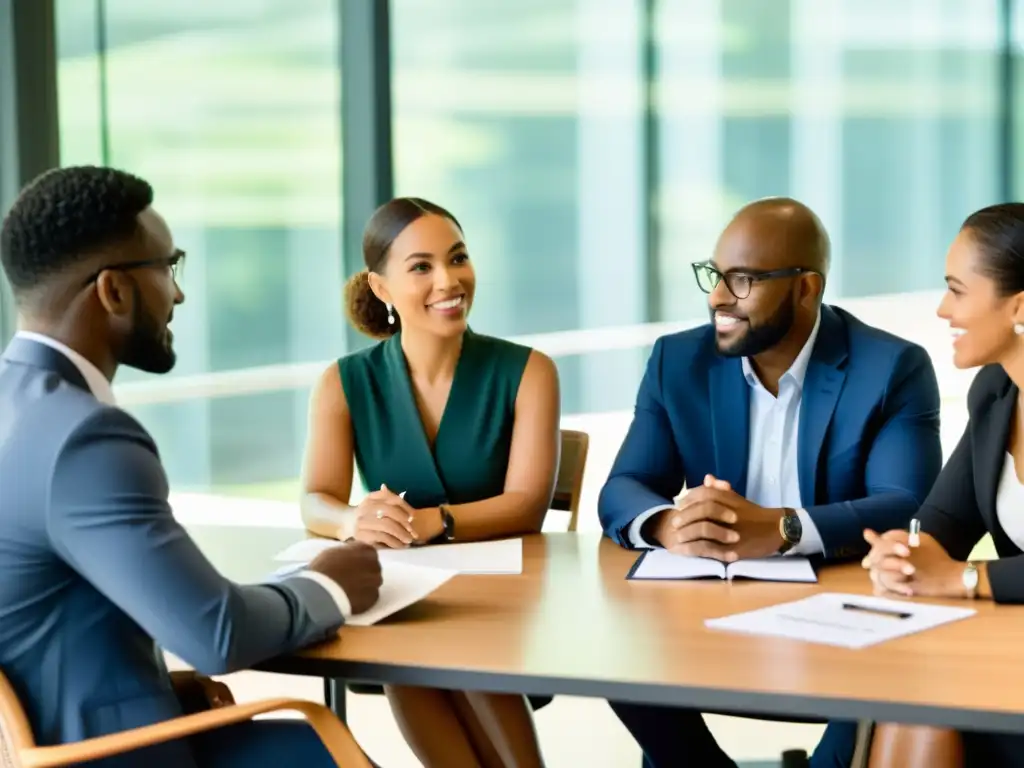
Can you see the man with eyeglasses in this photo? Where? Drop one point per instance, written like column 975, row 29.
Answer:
column 794, row 426
column 97, row 578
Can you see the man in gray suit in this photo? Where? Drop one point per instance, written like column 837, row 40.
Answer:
column 96, row 576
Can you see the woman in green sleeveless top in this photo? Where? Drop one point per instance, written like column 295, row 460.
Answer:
column 456, row 432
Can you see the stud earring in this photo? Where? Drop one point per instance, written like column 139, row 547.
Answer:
column 391, row 317
column 1018, row 328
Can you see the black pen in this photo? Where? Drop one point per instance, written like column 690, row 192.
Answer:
column 870, row 609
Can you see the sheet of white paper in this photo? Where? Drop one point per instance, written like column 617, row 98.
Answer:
column 481, row 557
column 848, row 621
column 798, row 569
column 305, row 550
column 660, row 564
column 402, row 586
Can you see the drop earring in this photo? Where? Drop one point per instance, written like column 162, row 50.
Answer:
column 391, row 316
column 1018, row 328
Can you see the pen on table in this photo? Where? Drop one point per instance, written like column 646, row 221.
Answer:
column 914, row 539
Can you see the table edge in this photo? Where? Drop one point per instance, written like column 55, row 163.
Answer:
column 815, row 708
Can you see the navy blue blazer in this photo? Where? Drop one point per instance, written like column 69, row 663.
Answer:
column 868, row 443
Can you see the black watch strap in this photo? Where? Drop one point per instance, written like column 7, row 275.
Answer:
column 448, row 521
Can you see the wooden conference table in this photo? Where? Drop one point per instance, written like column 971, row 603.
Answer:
column 572, row 625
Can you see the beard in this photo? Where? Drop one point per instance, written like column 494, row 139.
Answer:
column 761, row 337
column 148, row 346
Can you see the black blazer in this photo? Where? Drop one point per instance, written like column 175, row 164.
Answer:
column 961, row 507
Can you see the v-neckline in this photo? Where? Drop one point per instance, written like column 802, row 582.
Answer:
column 403, row 368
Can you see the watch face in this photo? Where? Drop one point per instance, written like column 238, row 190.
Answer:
column 792, row 528
column 970, row 577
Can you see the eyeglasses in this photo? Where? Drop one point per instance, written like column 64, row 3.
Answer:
column 175, row 262
column 740, row 283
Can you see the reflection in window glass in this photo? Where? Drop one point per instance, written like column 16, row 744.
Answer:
column 231, row 110
column 881, row 116
column 524, row 119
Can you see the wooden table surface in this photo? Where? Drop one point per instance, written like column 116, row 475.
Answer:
column 571, row 624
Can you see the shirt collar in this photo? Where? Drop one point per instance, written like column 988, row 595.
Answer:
column 798, row 370
column 98, row 384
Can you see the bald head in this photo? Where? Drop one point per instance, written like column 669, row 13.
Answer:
column 766, row 279
column 778, row 233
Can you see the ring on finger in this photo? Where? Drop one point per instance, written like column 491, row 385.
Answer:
column 380, row 514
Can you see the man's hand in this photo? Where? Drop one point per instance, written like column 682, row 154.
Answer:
column 922, row 571
column 714, row 521
column 355, row 567
column 384, row 519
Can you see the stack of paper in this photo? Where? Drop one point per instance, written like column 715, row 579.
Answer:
column 402, row 586
column 849, row 621
column 482, row 557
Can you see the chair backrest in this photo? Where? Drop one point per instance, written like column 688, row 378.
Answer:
column 571, row 465
column 15, row 732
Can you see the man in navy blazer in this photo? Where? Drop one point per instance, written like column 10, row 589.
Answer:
column 794, row 425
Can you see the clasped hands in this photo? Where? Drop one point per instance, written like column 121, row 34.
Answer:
column 385, row 519
column 925, row 570
column 716, row 522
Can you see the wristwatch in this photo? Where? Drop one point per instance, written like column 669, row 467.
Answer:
column 448, row 521
column 790, row 529
column 970, row 580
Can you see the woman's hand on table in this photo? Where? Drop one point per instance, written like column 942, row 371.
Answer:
column 384, row 519
column 922, row 571
column 428, row 524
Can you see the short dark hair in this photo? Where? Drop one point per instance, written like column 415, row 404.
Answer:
column 64, row 215
column 365, row 311
column 998, row 231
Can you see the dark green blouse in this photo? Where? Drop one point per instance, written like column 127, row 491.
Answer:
column 470, row 454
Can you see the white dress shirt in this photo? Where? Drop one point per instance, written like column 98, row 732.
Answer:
column 1010, row 502
column 101, row 389
column 773, row 478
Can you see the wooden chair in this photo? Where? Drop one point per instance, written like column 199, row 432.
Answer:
column 18, row 748
column 571, row 466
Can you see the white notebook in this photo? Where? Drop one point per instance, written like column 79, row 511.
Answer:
column 662, row 565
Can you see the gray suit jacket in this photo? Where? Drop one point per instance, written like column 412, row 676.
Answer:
column 96, row 576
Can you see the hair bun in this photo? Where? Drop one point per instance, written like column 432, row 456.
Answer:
column 365, row 311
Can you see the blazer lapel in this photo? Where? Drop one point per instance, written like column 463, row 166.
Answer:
column 730, row 422
column 36, row 355
column 826, row 374
column 992, row 433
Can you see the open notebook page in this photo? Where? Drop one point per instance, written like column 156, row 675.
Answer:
column 796, row 569
column 660, row 564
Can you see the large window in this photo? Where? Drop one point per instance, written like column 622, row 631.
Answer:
column 590, row 151
column 525, row 120
column 231, row 110
column 881, row 116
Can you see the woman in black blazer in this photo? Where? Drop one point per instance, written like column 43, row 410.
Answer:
column 981, row 488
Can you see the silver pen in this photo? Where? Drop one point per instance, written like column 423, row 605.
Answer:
column 914, row 539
